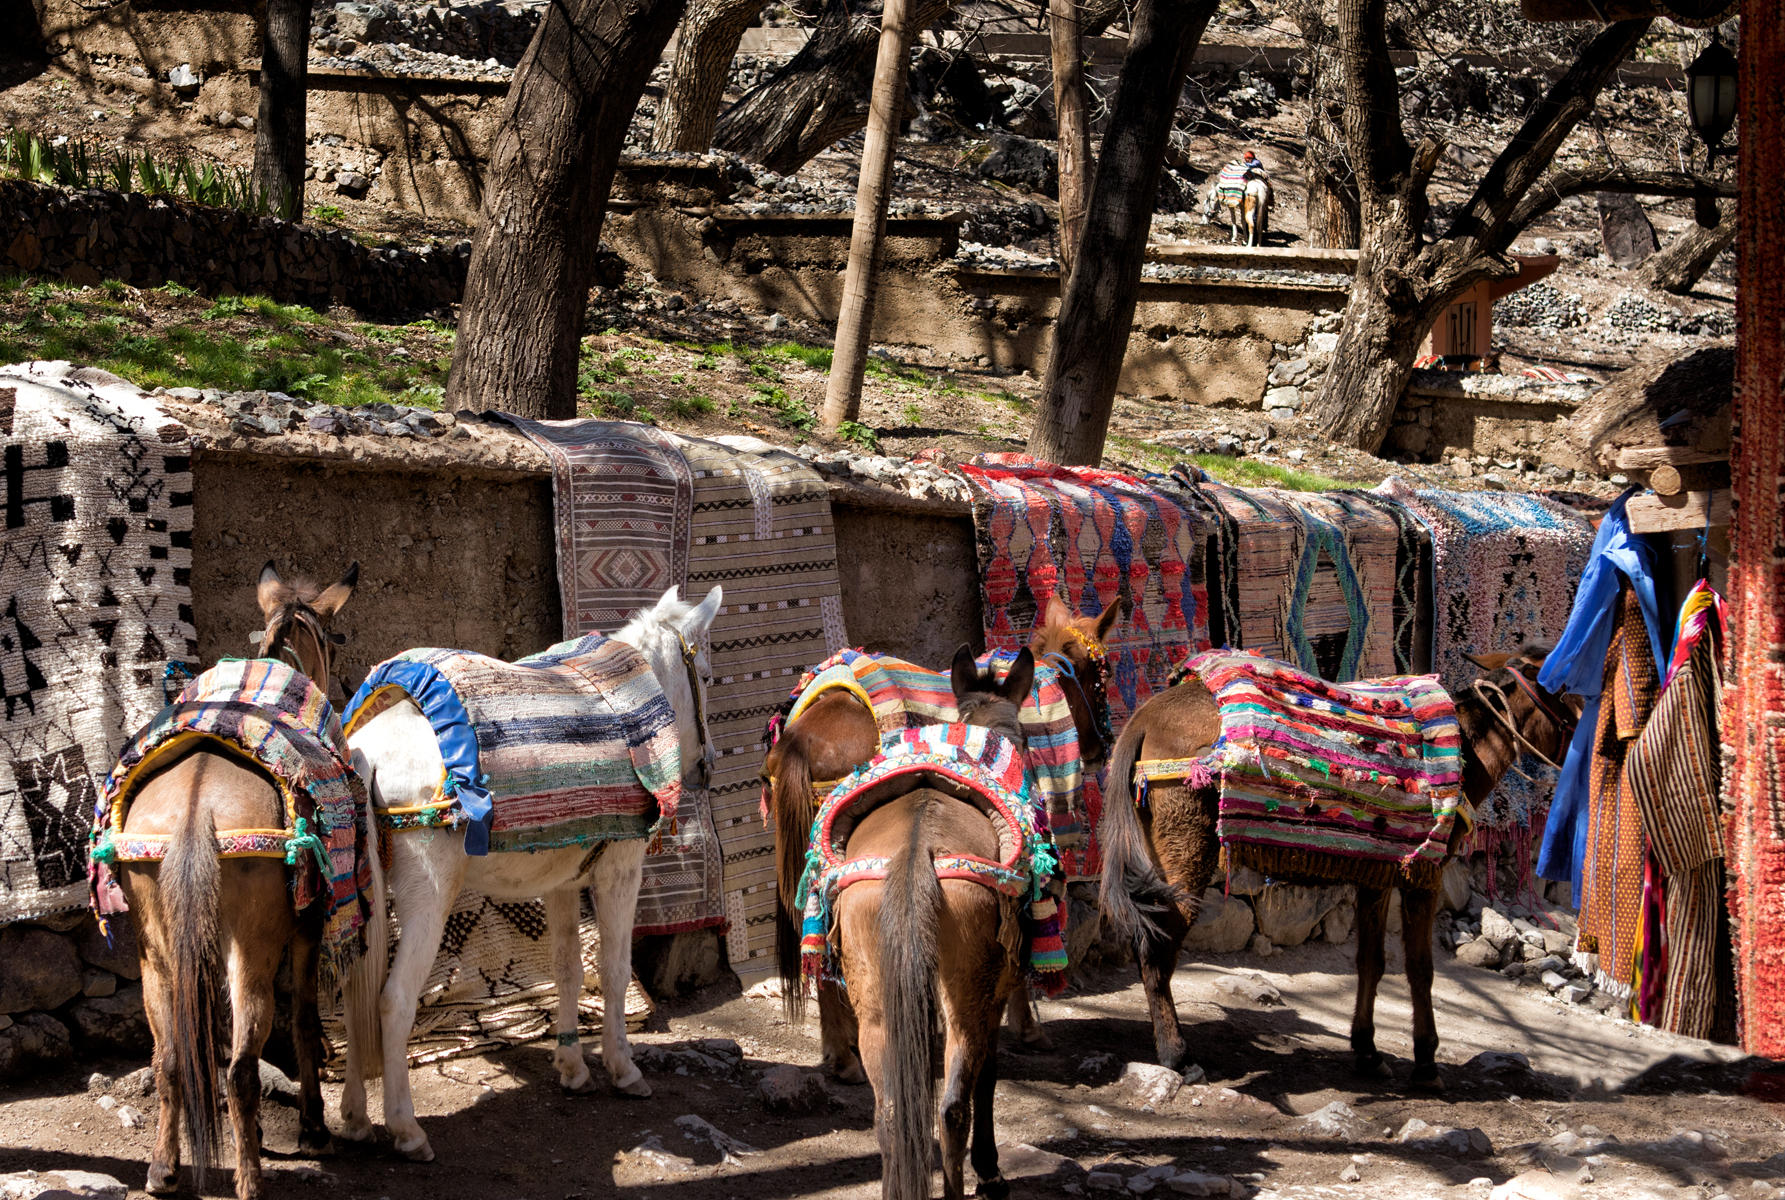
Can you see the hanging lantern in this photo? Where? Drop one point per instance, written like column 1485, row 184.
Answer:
column 1710, row 105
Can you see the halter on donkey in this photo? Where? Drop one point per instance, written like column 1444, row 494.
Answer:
column 547, row 773
column 229, row 830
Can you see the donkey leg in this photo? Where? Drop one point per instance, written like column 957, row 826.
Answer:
column 1157, row 957
column 971, row 1016
column 1372, row 922
column 1419, row 908
column 618, row 873
column 253, row 966
column 561, row 919
column 306, row 1021
column 992, row 1184
column 1025, row 1023
column 428, row 872
column 838, row 1034
column 164, row 1164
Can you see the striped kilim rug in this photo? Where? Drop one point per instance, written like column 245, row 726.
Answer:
column 762, row 530
column 95, row 609
column 1090, row 536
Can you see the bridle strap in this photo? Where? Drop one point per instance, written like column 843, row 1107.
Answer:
column 1536, row 695
column 1501, row 709
column 276, row 641
column 701, row 769
column 1064, row 668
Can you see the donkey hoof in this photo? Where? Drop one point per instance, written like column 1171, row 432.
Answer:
column 361, row 1130
column 846, row 1071
column 1425, row 1078
column 419, row 1151
column 1372, row 1066
column 316, row 1143
column 995, row 1188
column 1036, row 1041
column 163, row 1181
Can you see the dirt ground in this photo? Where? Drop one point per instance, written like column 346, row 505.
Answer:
column 1603, row 1109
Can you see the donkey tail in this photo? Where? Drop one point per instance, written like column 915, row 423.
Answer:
column 365, row 981
column 190, row 882
column 791, row 798
column 1132, row 886
column 910, row 905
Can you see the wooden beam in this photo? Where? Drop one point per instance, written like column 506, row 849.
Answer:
column 1647, row 458
column 1687, row 510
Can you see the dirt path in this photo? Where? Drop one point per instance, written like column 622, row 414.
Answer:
column 1613, row 1109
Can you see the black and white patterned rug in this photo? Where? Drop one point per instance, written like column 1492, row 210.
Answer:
column 95, row 608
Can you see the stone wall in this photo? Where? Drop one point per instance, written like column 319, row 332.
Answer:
column 64, row 991
column 206, row 36
column 86, row 237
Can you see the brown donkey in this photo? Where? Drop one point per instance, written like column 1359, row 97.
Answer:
column 1157, row 862
column 913, row 939
column 204, row 921
column 836, row 734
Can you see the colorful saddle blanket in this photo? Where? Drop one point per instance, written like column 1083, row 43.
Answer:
column 574, row 745
column 1232, row 180
column 268, row 713
column 1367, row 772
column 903, row 695
column 972, row 764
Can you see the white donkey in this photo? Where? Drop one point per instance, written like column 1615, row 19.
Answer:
column 1248, row 213
column 398, row 755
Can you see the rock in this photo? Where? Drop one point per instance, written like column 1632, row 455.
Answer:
column 1350, row 1174
column 1288, row 372
column 1248, row 987
column 1024, row 1161
column 1149, row 1086
column 1243, row 881
column 788, row 1089
column 1194, row 1074
column 1283, row 398
column 1479, row 953
column 1458, row 1143
column 95, row 982
column 1023, row 162
column 1105, row 1181
column 119, row 955
column 1453, row 886
column 1536, row 1185
column 1287, row 913
column 1557, row 942
column 1625, row 230
column 112, row 1024
column 1505, row 1067
column 699, row 1129
column 1337, row 1121
column 1096, row 1064
column 276, row 1084
column 1195, row 1183
column 1223, row 926
column 650, row 1158
column 352, row 183
column 1515, row 970
column 1543, row 245
column 129, row 1117
column 1549, row 962
column 1142, row 1184
column 184, row 80
column 42, row 969
column 1553, row 981
column 61, row 1185
column 1228, row 445
column 1261, row 946
column 1578, row 993
column 1496, row 929
column 1339, row 923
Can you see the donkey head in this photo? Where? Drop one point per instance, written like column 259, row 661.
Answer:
column 1073, row 646
column 982, row 700
column 1532, row 717
column 297, row 616
column 672, row 636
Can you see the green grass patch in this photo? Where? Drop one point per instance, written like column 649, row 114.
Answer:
column 1249, row 472
column 816, row 357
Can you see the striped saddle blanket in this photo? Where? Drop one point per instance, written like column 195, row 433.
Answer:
column 1368, row 773
column 903, row 695
column 574, row 745
column 269, row 714
column 971, row 764
column 1232, row 180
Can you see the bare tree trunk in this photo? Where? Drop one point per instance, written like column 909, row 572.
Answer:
column 545, row 194
column 1071, row 102
column 690, row 110
column 821, row 95
column 279, row 129
column 1091, row 333
column 861, row 283
column 1334, row 211
column 1682, row 263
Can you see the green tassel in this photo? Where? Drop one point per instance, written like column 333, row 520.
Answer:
column 104, row 850
column 301, row 840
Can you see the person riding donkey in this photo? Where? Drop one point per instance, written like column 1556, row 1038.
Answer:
column 1243, row 189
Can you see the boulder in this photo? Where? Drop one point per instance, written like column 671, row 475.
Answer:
column 1243, row 881
column 1340, row 923
column 1495, row 928
column 1625, row 229
column 1196, row 1183
column 1223, row 926
column 1453, row 886
column 1438, row 1139
column 111, row 1024
column 66, row 1184
column 1479, row 953
column 1248, row 987
column 789, row 1089
column 43, row 971
column 1337, row 1121
column 1536, row 1185
column 31, row 1043
column 1149, row 1086
column 1288, row 912
column 1023, row 162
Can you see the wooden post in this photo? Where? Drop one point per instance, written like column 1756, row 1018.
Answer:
column 1067, row 42
column 1754, row 701
column 855, row 320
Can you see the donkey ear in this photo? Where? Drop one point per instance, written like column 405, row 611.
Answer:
column 668, row 597
column 1020, row 680
column 964, row 675
column 1057, row 612
column 268, row 592
column 335, row 595
column 1108, row 618
column 1489, row 662
column 701, row 619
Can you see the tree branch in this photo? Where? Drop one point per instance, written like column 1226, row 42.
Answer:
column 1563, row 184
column 1529, row 154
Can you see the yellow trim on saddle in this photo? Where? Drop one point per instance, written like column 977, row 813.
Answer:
column 278, row 852
column 181, row 742
column 380, row 699
column 1167, row 769
column 824, row 787
column 813, row 693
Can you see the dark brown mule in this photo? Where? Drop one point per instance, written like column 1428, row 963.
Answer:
column 1156, row 863
column 911, row 940
column 836, row 734
column 204, row 921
